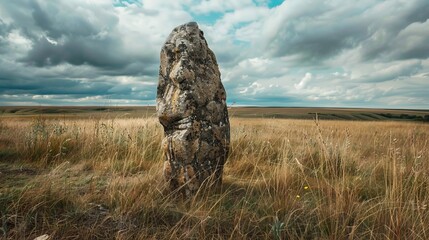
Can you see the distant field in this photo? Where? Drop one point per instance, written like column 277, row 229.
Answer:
column 240, row 112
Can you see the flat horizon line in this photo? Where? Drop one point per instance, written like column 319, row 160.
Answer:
column 229, row 106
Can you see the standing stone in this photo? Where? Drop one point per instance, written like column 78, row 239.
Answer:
column 191, row 106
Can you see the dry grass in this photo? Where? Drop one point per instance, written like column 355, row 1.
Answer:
column 284, row 179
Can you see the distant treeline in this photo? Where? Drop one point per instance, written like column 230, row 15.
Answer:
column 370, row 116
column 406, row 116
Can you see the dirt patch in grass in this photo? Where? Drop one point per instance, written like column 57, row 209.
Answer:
column 13, row 176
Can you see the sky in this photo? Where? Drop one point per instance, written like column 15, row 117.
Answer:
column 292, row 53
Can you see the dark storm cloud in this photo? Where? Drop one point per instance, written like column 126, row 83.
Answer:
column 315, row 44
column 311, row 32
column 60, row 20
column 4, row 31
column 412, row 42
column 72, row 50
column 62, row 33
column 53, row 86
column 135, row 69
column 77, row 51
column 226, row 58
column 395, row 70
column 73, row 39
column 329, row 27
column 42, row 83
column 68, row 89
column 401, row 35
column 4, row 28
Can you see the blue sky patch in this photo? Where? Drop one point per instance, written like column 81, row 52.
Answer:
column 274, row 3
column 208, row 18
column 124, row 3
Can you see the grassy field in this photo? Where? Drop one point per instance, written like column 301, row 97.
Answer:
column 241, row 112
column 97, row 174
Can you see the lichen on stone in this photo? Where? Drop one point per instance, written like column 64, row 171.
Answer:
column 191, row 106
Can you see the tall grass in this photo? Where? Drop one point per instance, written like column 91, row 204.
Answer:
column 284, row 179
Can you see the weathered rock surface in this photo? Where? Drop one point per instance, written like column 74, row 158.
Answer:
column 191, row 106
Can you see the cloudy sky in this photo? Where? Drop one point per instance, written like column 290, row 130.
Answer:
column 329, row 53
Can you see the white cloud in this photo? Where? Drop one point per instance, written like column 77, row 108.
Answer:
column 332, row 53
column 304, row 81
column 43, row 96
column 253, row 89
column 208, row 6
